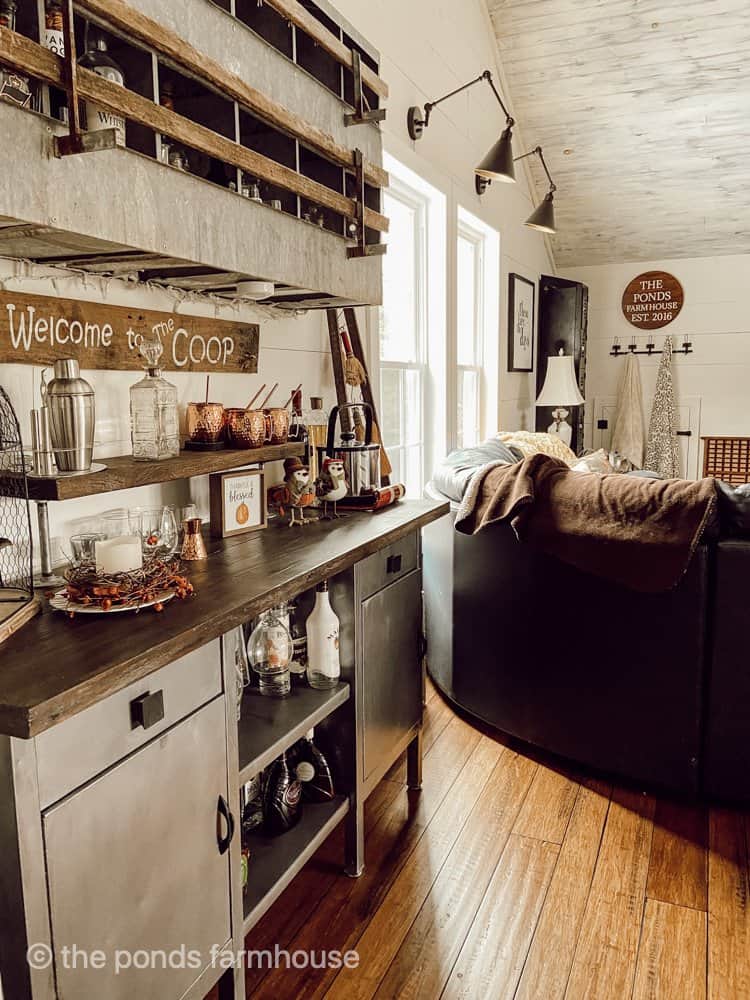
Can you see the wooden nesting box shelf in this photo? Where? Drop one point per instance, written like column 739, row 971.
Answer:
column 124, row 472
column 294, row 151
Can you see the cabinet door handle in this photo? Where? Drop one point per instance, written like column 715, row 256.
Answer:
column 393, row 564
column 225, row 813
column 147, row 710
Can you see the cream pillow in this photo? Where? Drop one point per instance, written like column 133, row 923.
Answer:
column 534, row 442
column 595, row 461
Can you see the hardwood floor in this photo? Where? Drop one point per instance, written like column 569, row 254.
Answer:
column 507, row 878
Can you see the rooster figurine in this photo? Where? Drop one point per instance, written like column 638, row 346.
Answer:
column 296, row 493
column 331, row 486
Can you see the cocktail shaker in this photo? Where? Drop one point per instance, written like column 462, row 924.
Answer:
column 70, row 401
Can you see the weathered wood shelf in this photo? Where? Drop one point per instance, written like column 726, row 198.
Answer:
column 268, row 726
column 274, row 861
column 124, row 472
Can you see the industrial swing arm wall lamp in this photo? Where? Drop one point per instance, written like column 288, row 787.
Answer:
column 498, row 163
column 543, row 216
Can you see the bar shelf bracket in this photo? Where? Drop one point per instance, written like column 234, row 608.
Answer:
column 363, row 248
column 363, row 115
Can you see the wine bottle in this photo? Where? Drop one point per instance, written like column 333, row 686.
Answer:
column 312, row 771
column 97, row 58
column 282, row 798
column 298, row 663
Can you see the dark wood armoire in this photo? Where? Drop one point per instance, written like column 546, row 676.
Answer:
column 562, row 323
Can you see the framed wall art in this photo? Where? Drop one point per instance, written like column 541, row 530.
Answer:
column 521, row 300
column 237, row 501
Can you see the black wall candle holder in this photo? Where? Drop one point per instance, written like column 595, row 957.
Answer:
column 648, row 349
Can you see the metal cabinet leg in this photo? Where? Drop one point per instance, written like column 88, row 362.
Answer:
column 354, row 863
column 414, row 762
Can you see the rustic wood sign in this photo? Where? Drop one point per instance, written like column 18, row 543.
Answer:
column 652, row 300
column 39, row 329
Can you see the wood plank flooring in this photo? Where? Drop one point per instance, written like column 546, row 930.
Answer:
column 508, row 878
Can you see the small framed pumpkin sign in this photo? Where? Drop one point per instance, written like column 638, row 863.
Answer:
column 237, row 502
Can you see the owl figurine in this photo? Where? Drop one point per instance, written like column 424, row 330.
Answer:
column 331, row 486
column 300, row 492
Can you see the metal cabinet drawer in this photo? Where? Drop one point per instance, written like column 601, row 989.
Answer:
column 387, row 565
column 86, row 744
column 136, row 862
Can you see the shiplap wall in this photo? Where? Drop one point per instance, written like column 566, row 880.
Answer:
column 715, row 316
column 428, row 48
column 292, row 350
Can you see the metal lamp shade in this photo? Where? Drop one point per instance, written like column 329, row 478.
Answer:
column 543, row 217
column 560, row 384
column 498, row 163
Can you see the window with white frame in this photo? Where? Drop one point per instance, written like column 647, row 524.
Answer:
column 477, row 334
column 469, row 335
column 403, row 340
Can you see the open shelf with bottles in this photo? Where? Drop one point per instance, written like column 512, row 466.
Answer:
column 274, row 861
column 268, row 726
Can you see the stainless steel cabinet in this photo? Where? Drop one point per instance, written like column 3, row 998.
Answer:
column 134, row 864
column 392, row 675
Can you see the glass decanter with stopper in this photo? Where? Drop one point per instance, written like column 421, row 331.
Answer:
column 97, row 58
column 269, row 650
column 154, row 425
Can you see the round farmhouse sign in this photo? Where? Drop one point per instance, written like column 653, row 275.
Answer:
column 652, row 300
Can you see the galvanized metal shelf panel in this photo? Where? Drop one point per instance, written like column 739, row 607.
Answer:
column 274, row 861
column 146, row 207
column 268, row 726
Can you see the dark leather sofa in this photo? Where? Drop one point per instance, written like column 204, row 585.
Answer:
column 651, row 687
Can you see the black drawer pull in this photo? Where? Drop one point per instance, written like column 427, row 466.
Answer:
column 684, row 434
column 147, row 710
column 225, row 813
column 393, row 565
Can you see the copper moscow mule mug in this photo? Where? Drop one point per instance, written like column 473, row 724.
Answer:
column 277, row 424
column 205, row 422
column 246, row 428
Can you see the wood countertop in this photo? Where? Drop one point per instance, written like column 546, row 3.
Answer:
column 55, row 666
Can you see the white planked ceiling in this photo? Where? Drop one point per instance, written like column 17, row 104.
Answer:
column 643, row 111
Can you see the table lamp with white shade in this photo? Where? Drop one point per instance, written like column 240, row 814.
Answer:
column 560, row 389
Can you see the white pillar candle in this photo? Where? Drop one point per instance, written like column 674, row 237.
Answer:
column 119, row 555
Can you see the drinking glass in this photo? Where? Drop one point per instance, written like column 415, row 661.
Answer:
column 117, row 523
column 83, row 547
column 157, row 527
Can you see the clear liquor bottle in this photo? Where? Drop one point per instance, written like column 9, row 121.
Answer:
column 97, row 58
column 154, row 426
column 323, row 662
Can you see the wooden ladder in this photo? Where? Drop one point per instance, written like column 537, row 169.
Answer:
column 344, row 343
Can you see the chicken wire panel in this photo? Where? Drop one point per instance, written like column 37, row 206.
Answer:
column 16, row 560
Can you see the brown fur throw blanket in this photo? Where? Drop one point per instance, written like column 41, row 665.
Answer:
column 640, row 533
